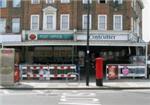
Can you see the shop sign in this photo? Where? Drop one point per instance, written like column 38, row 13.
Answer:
column 33, row 36
column 112, row 72
column 105, row 37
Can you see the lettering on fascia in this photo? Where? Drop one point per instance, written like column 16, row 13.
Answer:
column 103, row 37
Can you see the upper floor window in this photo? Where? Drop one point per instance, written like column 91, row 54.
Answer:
column 64, row 22
column 102, row 1
column 84, row 22
column 117, row 22
column 118, row 1
column 102, row 22
column 49, row 22
column 2, row 25
column 49, row 1
column 16, row 25
column 65, row 1
column 35, row 1
column 86, row 1
column 34, row 22
column 3, row 3
column 16, row 3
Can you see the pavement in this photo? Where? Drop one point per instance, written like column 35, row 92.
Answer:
column 81, row 85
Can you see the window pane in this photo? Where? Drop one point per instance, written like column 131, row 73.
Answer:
column 49, row 22
column 65, row 22
column 2, row 25
column 16, row 3
column 85, row 22
column 86, row 1
column 16, row 25
column 49, row 1
column 34, row 23
column 3, row 3
column 65, row 1
column 102, row 23
column 118, row 23
column 102, row 1
column 35, row 1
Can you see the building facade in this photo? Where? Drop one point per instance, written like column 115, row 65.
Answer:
column 54, row 31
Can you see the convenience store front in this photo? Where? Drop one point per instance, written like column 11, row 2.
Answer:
column 69, row 48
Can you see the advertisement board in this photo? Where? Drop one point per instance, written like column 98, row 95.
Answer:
column 7, row 66
column 112, row 72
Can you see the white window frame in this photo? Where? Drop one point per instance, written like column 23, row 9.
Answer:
column 90, row 21
column 13, row 26
column 4, row 25
column 4, row 2
column 37, row 21
column 119, row 1
column 61, row 25
column 99, row 22
column 14, row 4
column 86, row 1
column 32, row 2
column 47, row 2
column 114, row 21
column 65, row 1
column 45, row 22
column 101, row 3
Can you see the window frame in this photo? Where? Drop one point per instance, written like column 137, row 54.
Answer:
column 114, row 23
column 5, row 21
column 61, row 25
column 5, row 6
column 90, row 22
column 102, row 3
column 49, row 3
column 31, row 25
column 105, row 22
column 18, row 25
column 86, row 2
column 45, row 22
column 119, row 1
column 32, row 2
column 64, row 1
column 14, row 6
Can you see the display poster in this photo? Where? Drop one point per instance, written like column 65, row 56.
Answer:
column 112, row 72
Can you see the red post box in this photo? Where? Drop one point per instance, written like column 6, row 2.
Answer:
column 16, row 73
column 99, row 71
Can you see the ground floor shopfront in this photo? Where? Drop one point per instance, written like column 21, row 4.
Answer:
column 68, row 48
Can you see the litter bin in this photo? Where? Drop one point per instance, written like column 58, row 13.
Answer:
column 99, row 71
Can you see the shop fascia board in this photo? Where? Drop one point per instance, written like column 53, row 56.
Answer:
column 71, row 43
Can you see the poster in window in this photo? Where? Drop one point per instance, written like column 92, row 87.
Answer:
column 112, row 72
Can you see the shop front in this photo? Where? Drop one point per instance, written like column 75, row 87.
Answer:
column 61, row 48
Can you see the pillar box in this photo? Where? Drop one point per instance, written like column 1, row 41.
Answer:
column 99, row 71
